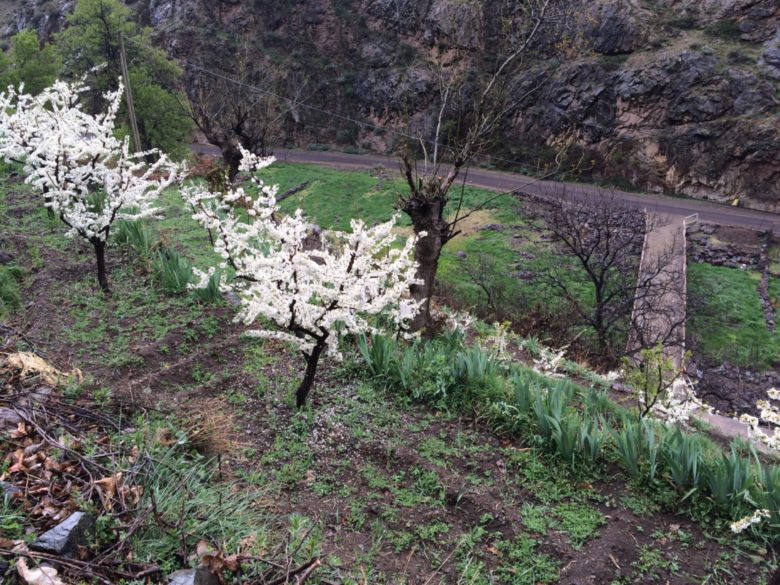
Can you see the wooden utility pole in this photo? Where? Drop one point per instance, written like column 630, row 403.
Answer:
column 129, row 94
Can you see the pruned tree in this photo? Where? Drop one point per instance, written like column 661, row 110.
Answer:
column 471, row 111
column 597, row 269
column 88, row 177
column 314, row 287
column 243, row 107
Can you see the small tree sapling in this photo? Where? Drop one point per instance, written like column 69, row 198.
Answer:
column 314, row 287
column 88, row 176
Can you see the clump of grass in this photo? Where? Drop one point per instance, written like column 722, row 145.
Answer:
column 172, row 271
column 209, row 428
column 10, row 297
column 139, row 236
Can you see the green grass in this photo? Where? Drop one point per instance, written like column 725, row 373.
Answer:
column 333, row 197
column 726, row 321
column 10, row 297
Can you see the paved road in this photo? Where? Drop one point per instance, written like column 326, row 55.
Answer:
column 708, row 211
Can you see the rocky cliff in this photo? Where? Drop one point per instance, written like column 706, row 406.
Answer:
column 669, row 95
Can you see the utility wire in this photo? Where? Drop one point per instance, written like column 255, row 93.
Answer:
column 305, row 105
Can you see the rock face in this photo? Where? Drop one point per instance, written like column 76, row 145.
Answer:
column 679, row 96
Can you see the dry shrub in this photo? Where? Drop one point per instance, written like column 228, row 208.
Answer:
column 210, row 429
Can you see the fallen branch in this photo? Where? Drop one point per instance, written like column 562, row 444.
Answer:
column 82, row 569
column 293, row 191
column 303, row 572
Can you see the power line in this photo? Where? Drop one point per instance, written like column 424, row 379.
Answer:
column 329, row 113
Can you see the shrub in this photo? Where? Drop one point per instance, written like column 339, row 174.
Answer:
column 724, row 29
column 683, row 23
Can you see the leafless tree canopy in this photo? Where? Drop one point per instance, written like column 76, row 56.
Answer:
column 470, row 112
column 248, row 105
column 626, row 308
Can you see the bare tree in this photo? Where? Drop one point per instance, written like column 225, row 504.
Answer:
column 627, row 308
column 247, row 106
column 476, row 110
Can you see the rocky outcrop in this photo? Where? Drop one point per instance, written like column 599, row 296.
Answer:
column 679, row 96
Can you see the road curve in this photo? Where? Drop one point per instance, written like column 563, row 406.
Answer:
column 708, row 211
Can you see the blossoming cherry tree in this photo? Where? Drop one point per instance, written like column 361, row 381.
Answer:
column 88, row 176
column 314, row 287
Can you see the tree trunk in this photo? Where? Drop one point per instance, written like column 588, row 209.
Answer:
column 427, row 253
column 100, row 254
column 231, row 154
column 308, row 379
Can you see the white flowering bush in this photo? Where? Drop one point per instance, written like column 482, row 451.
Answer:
column 89, row 178
column 769, row 414
column 679, row 404
column 755, row 518
column 498, row 342
column 314, row 287
column 550, row 361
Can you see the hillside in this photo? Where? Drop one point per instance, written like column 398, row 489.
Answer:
column 179, row 429
column 667, row 95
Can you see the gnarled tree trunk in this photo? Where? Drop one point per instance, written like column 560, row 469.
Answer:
column 427, row 218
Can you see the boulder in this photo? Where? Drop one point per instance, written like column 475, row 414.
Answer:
column 7, row 489
column 65, row 538
column 199, row 576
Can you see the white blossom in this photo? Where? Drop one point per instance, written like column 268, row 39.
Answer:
column 88, row 176
column 313, row 286
column 679, row 404
column 498, row 342
column 460, row 321
column 744, row 523
column 769, row 414
column 549, row 361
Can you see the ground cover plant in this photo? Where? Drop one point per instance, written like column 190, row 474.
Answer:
column 728, row 323
column 462, row 474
